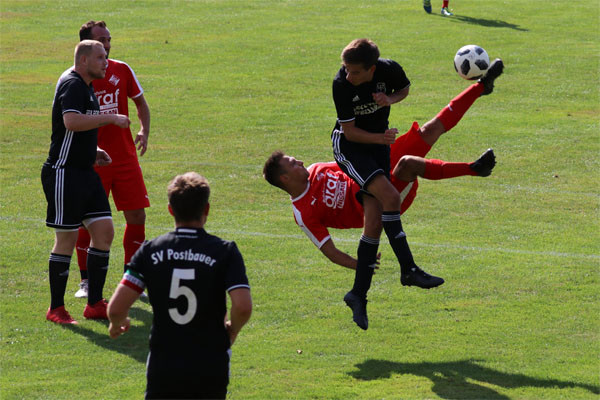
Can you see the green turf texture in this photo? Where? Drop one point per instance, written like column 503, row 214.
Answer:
column 230, row 81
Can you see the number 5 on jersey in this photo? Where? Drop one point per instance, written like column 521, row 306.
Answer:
column 180, row 290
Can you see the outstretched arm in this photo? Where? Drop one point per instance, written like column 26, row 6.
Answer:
column 337, row 256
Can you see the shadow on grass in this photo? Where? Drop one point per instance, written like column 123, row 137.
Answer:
column 460, row 379
column 134, row 343
column 490, row 23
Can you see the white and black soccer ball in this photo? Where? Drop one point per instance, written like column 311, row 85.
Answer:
column 471, row 62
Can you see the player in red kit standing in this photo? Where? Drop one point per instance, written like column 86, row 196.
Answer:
column 124, row 176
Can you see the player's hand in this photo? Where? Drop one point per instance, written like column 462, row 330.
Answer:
column 382, row 99
column 141, row 140
column 117, row 330
column 389, row 136
column 232, row 335
column 102, row 158
column 122, row 121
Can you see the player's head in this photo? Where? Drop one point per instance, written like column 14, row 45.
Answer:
column 188, row 197
column 90, row 59
column 284, row 171
column 96, row 30
column 359, row 58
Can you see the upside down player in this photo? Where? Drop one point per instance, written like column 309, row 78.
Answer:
column 325, row 197
column 124, row 176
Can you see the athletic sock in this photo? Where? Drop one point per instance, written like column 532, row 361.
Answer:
column 453, row 112
column 132, row 240
column 397, row 238
column 438, row 169
column 445, row 4
column 365, row 267
column 83, row 242
column 58, row 274
column 97, row 264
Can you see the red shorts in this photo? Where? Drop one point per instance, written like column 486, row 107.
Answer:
column 409, row 144
column 126, row 183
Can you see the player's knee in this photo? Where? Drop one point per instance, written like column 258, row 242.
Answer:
column 136, row 217
column 406, row 168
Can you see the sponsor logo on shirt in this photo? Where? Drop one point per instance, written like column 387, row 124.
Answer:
column 109, row 102
column 366, row 109
column 114, row 80
column 334, row 193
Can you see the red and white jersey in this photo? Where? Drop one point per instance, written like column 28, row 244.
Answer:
column 119, row 84
column 329, row 201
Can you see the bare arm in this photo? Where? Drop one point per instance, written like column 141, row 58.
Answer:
column 384, row 100
column 354, row 134
column 118, row 310
column 337, row 256
column 241, row 309
column 143, row 111
column 82, row 122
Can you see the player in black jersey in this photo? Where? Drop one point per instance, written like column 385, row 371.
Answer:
column 73, row 190
column 363, row 90
column 186, row 273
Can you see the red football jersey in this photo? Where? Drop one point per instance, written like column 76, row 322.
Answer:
column 119, row 84
column 329, row 201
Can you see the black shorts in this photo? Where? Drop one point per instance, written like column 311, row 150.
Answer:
column 187, row 375
column 73, row 195
column 361, row 162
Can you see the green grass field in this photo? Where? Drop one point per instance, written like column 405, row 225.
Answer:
column 230, row 81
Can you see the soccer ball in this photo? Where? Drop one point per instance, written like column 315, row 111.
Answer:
column 471, row 62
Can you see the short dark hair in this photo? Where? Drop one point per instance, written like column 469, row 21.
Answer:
column 273, row 170
column 361, row 51
column 85, row 32
column 188, row 196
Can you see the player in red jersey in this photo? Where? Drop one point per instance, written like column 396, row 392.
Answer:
column 325, row 197
column 124, row 176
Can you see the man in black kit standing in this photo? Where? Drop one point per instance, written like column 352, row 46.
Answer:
column 186, row 273
column 363, row 90
column 73, row 189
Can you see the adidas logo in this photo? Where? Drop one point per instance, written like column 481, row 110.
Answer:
column 400, row 235
column 356, row 98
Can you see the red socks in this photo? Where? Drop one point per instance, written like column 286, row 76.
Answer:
column 133, row 239
column 454, row 111
column 445, row 4
column 438, row 169
column 83, row 242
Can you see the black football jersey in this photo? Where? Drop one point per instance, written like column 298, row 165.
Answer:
column 68, row 148
column 357, row 103
column 187, row 274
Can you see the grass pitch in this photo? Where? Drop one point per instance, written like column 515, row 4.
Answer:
column 230, row 81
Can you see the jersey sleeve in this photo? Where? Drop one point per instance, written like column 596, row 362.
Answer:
column 316, row 231
column 134, row 89
column 73, row 97
column 398, row 77
column 134, row 276
column 343, row 102
column 235, row 272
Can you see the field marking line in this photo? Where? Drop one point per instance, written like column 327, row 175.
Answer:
column 477, row 249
